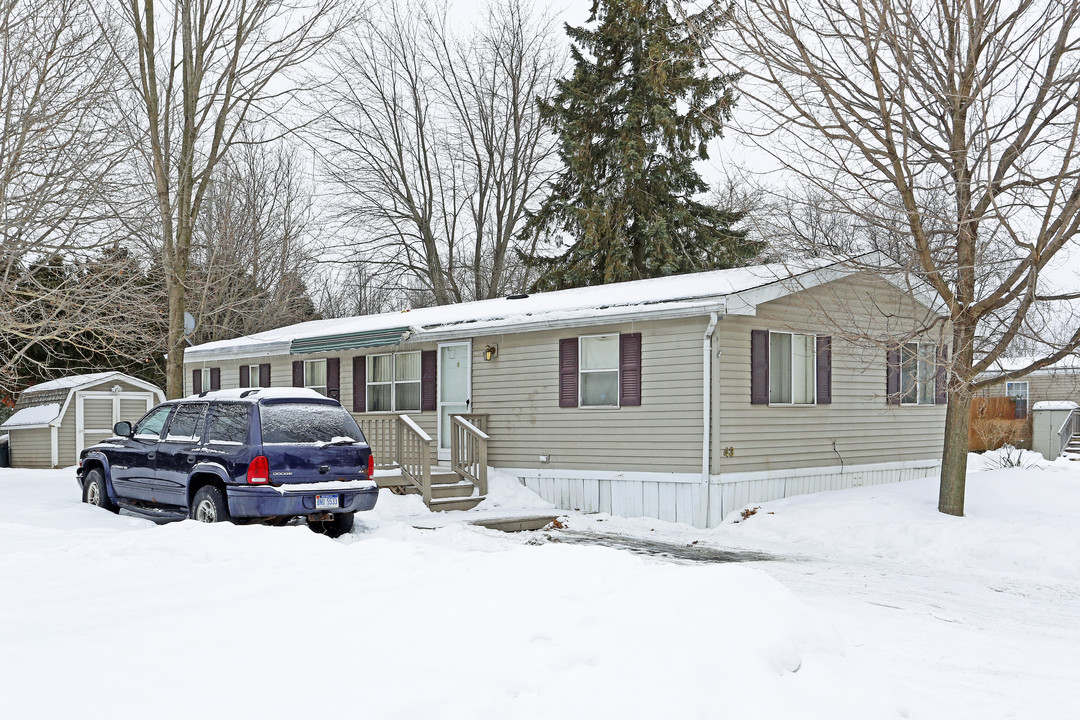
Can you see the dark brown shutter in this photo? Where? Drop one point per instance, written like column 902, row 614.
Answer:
column 333, row 377
column 568, row 372
column 215, row 378
column 824, row 370
column 759, row 367
column 196, row 382
column 429, row 380
column 359, row 383
column 264, row 375
column 245, row 376
column 630, row 369
column 298, row 373
column 892, row 375
column 941, row 377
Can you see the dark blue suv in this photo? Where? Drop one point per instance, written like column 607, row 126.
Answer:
column 258, row 455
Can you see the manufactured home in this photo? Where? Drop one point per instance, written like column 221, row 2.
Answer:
column 680, row 398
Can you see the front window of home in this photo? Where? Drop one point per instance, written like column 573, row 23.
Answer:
column 1018, row 391
column 791, row 368
column 253, row 376
column 315, row 375
column 204, row 381
column 599, row 370
column 393, row 382
column 918, row 373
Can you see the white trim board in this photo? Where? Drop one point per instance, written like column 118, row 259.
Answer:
column 724, row 478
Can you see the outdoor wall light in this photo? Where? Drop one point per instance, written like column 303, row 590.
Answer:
column 490, row 352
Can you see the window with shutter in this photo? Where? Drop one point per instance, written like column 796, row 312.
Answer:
column 600, row 371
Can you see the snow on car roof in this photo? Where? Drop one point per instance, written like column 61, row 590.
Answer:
column 689, row 292
column 257, row 394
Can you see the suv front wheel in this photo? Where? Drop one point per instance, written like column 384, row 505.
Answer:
column 209, row 505
column 94, row 492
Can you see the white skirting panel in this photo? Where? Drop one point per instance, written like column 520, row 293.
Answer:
column 684, row 498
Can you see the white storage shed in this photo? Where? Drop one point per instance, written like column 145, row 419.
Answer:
column 53, row 421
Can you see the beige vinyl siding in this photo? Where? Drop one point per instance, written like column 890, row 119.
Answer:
column 132, row 409
column 519, row 390
column 66, row 436
column 30, row 448
column 858, row 427
column 281, row 374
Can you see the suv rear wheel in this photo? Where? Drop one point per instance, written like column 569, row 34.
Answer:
column 337, row 527
column 209, row 505
column 94, row 491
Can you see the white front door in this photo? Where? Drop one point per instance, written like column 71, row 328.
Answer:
column 455, row 388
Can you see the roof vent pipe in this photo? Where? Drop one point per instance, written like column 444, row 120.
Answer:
column 517, row 296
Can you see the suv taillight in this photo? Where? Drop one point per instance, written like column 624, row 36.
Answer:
column 259, row 471
column 371, row 466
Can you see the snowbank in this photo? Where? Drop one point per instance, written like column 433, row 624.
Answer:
column 277, row 622
column 1018, row 522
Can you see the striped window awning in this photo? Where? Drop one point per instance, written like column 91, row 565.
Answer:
column 349, row 341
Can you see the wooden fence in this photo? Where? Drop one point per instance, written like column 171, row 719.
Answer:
column 994, row 423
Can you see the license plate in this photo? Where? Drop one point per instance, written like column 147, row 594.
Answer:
column 326, row 502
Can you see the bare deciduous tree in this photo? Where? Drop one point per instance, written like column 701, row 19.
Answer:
column 58, row 158
column 197, row 73
column 435, row 143
column 960, row 118
column 252, row 246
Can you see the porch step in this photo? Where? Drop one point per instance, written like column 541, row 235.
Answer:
column 455, row 503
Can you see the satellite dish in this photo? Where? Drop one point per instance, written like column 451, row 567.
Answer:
column 189, row 324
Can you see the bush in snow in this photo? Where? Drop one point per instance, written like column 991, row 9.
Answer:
column 1008, row 456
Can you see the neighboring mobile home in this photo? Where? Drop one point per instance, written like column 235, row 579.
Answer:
column 680, row 398
column 53, row 421
column 1060, row 381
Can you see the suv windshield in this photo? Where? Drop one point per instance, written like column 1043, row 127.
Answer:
column 294, row 423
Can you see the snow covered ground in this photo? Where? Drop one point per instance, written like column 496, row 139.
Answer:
column 878, row 607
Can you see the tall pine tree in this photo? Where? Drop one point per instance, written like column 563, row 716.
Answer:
column 637, row 112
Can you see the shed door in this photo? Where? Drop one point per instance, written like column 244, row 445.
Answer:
column 97, row 412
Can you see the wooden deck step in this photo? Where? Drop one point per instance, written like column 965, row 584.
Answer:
column 459, row 503
column 462, row 489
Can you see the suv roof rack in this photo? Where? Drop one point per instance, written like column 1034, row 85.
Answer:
column 249, row 392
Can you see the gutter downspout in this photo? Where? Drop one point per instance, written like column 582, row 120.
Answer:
column 706, row 406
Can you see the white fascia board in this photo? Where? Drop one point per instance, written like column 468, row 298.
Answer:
column 237, row 352
column 630, row 314
column 746, row 302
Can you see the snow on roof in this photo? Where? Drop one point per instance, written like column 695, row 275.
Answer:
column 690, row 293
column 38, row 415
column 1055, row 405
column 1067, row 364
column 74, row 382
column 71, row 381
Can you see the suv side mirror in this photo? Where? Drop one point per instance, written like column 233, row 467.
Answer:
column 122, row 429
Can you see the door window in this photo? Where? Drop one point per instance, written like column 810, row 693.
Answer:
column 151, row 425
